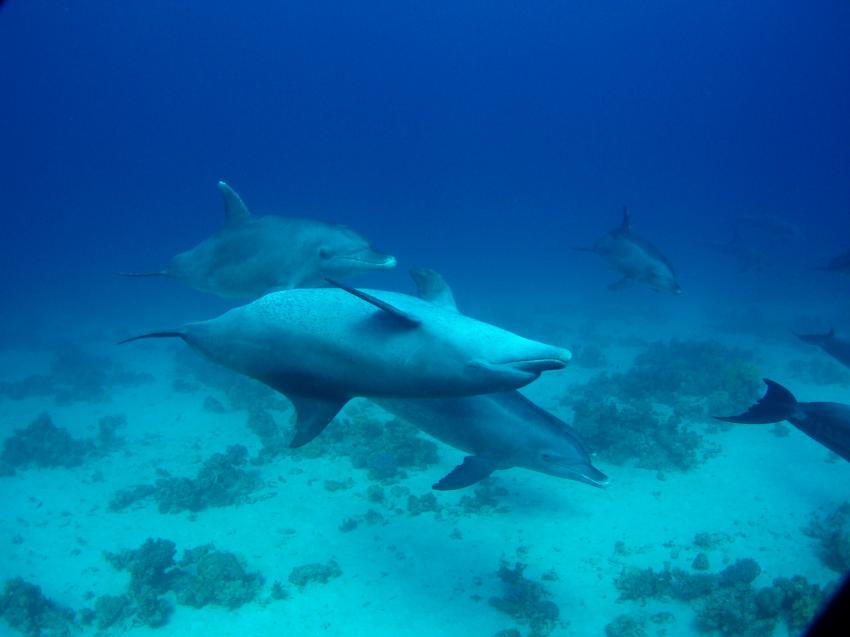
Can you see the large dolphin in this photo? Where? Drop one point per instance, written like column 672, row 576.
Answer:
column 828, row 423
column 637, row 260
column 499, row 431
column 320, row 347
column 838, row 348
column 252, row 255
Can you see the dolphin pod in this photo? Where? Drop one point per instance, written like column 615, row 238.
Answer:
column 499, row 430
column 320, row 347
column 635, row 258
column 827, row 423
column 252, row 255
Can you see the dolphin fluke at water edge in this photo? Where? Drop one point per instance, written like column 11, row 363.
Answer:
column 635, row 258
column 252, row 255
column 320, row 347
column 827, row 423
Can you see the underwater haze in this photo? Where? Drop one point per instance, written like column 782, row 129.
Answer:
column 148, row 490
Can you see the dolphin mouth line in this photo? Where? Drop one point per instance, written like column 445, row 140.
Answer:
column 537, row 364
column 387, row 262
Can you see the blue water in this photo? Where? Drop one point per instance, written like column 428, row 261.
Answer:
column 483, row 139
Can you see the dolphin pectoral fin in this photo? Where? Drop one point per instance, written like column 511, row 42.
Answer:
column 432, row 287
column 235, row 210
column 312, row 416
column 622, row 283
column 473, row 469
column 405, row 318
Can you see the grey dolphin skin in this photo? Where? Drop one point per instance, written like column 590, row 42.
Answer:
column 320, row 347
column 499, row 431
column 252, row 255
column 637, row 260
column 836, row 347
column 840, row 264
column 828, row 423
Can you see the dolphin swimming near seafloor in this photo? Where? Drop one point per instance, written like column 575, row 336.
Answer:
column 827, row 423
column 637, row 260
column 836, row 347
column 320, row 347
column 499, row 430
column 252, row 255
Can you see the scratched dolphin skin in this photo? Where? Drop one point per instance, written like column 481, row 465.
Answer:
column 321, row 347
column 636, row 259
column 828, row 423
column 499, row 430
column 252, row 255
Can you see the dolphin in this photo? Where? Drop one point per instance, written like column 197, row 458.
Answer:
column 252, row 255
column 635, row 259
column 827, row 423
column 320, row 347
column 770, row 226
column 839, row 264
column 499, row 430
column 836, row 347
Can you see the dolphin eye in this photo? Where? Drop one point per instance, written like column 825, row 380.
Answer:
column 324, row 253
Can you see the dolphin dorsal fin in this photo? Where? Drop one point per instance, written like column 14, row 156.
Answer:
column 405, row 318
column 626, row 224
column 235, row 210
column 432, row 287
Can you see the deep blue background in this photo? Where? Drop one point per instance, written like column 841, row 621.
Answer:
column 484, row 139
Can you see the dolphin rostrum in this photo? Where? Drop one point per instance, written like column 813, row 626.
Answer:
column 320, row 347
column 252, row 255
column 836, row 347
column 828, row 423
column 499, row 430
column 637, row 260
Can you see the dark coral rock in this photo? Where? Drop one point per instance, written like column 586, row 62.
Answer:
column 732, row 611
column 43, row 444
column 74, row 375
column 700, row 562
column 426, row 503
column 801, row 600
column 220, row 482
column 24, row 608
column 833, row 535
column 642, row 583
column 741, row 572
column 626, row 626
column 207, row 576
column 526, row 601
column 111, row 609
column 300, row 576
column 688, row 586
column 123, row 498
column 149, row 565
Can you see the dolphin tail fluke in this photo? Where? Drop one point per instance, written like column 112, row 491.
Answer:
column 143, row 274
column 776, row 405
column 168, row 334
column 816, row 339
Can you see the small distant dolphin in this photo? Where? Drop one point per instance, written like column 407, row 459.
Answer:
column 840, row 264
column 320, row 347
column 836, row 347
column 252, row 255
column 770, row 225
column 636, row 259
column 499, row 431
column 746, row 256
column 827, row 423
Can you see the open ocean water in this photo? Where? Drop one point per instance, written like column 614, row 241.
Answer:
column 147, row 490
